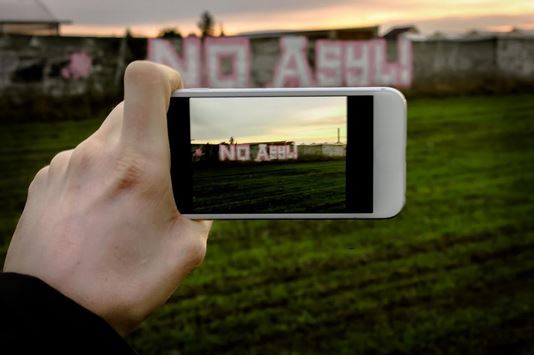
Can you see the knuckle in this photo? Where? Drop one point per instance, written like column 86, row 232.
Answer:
column 196, row 250
column 129, row 172
column 42, row 173
column 39, row 178
column 133, row 170
column 83, row 155
column 60, row 159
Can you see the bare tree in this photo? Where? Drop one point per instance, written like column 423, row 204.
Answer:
column 170, row 32
column 206, row 25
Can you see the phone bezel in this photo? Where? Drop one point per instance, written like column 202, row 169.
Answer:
column 389, row 147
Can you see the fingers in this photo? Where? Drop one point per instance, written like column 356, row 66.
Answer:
column 147, row 91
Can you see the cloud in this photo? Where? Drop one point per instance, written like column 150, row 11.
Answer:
column 464, row 23
column 105, row 12
column 215, row 119
column 246, row 15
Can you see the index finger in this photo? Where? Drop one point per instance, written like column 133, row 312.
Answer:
column 147, row 90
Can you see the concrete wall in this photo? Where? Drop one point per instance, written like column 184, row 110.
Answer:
column 66, row 66
column 309, row 150
column 58, row 65
column 475, row 63
column 334, row 150
column 515, row 57
column 321, row 150
column 446, row 61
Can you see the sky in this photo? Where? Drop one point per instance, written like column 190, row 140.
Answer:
column 147, row 18
column 298, row 119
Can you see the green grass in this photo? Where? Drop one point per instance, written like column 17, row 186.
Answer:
column 297, row 187
column 454, row 273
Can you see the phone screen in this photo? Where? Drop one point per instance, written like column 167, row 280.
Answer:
column 272, row 155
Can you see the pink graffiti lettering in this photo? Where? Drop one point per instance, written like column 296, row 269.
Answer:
column 362, row 63
column 236, row 50
column 79, row 67
column 292, row 68
column 328, row 56
column 162, row 51
column 262, row 155
column 226, row 152
column 242, row 152
column 198, row 153
column 266, row 152
column 227, row 62
column 357, row 62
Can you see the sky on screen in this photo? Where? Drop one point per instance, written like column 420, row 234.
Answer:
column 298, row 119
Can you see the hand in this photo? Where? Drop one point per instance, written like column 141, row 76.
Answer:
column 100, row 224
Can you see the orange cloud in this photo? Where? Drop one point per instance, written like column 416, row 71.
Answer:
column 444, row 15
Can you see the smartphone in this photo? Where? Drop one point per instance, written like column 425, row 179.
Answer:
column 299, row 153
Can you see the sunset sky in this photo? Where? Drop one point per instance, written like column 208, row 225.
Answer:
column 298, row 119
column 105, row 17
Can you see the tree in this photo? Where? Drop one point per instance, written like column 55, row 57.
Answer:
column 128, row 33
column 206, row 25
column 170, row 32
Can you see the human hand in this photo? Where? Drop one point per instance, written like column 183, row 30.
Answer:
column 100, row 224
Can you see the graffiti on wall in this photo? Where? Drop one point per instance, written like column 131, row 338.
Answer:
column 79, row 66
column 226, row 62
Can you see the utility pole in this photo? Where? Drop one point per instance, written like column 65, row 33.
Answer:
column 338, row 137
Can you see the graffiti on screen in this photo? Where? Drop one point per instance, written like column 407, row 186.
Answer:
column 264, row 152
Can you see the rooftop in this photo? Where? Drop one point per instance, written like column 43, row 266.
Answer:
column 26, row 12
column 334, row 33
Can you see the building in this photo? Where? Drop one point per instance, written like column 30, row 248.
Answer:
column 395, row 32
column 28, row 17
column 353, row 33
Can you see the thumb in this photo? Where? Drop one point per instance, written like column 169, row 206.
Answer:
column 147, row 90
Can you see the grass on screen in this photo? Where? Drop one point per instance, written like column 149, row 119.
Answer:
column 296, row 187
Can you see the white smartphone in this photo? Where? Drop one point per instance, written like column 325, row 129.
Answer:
column 303, row 153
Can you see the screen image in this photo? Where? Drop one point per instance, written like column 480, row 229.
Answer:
column 262, row 155
column 269, row 154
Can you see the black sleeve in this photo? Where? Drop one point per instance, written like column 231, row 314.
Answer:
column 36, row 318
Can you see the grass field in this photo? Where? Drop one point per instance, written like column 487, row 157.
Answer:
column 298, row 187
column 454, row 273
